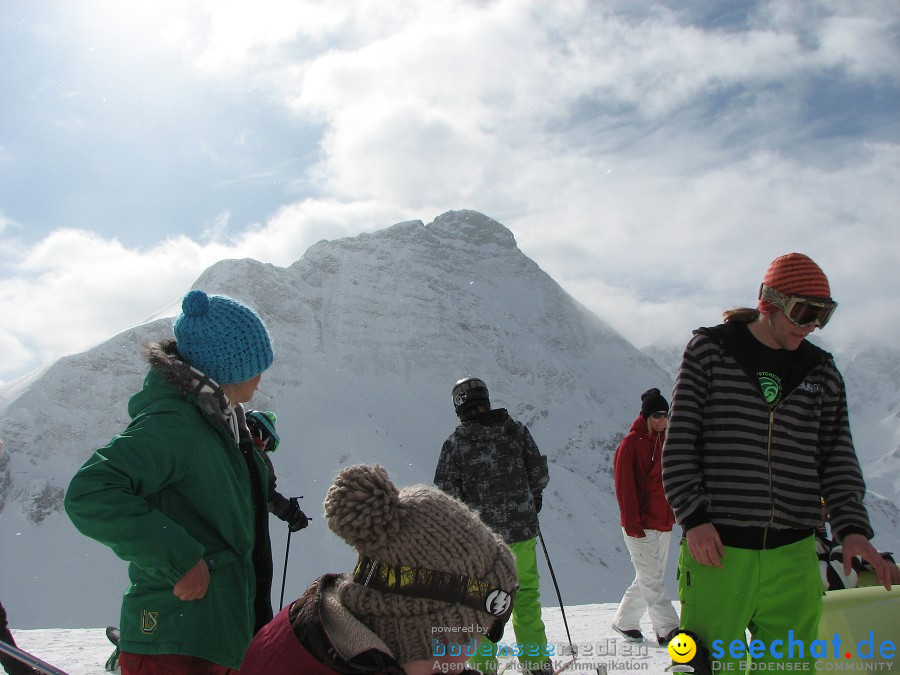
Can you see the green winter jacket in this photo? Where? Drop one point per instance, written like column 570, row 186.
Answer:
column 171, row 489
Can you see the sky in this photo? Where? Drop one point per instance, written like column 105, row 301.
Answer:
column 652, row 157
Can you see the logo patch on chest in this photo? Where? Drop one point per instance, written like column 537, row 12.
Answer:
column 771, row 386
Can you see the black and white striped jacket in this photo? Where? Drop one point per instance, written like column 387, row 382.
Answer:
column 758, row 474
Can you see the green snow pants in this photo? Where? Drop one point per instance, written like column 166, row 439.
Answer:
column 531, row 637
column 776, row 593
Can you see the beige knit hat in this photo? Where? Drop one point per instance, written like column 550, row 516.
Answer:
column 417, row 527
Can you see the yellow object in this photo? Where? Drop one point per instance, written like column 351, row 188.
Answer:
column 861, row 625
column 867, row 577
column 682, row 648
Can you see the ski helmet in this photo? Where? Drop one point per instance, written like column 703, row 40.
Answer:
column 467, row 393
column 262, row 429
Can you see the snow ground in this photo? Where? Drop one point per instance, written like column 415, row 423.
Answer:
column 83, row 651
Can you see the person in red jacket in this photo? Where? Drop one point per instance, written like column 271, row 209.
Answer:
column 431, row 578
column 646, row 521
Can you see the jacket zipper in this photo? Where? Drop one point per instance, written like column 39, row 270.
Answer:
column 769, row 457
column 755, row 384
column 771, row 477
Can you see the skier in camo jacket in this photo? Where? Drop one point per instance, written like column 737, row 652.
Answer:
column 492, row 464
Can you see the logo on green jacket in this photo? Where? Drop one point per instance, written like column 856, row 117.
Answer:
column 771, row 387
column 149, row 621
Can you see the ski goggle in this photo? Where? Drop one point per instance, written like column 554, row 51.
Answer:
column 800, row 311
column 417, row 582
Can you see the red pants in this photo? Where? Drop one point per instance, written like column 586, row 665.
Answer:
column 169, row 664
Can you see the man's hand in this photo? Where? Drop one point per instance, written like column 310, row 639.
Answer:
column 193, row 585
column 857, row 544
column 705, row 545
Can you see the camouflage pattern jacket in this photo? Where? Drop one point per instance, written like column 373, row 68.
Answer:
column 492, row 464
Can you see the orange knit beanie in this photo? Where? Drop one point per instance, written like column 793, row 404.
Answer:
column 795, row 274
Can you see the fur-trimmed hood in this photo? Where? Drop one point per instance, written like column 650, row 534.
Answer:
column 164, row 357
column 166, row 364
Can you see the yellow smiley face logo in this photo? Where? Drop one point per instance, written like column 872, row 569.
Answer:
column 682, row 648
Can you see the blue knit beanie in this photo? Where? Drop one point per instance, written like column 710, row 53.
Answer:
column 222, row 338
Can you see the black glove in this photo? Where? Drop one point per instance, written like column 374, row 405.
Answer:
column 538, row 501
column 295, row 517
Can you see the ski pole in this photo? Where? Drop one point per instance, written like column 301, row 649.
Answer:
column 556, row 586
column 30, row 660
column 559, row 596
column 287, row 550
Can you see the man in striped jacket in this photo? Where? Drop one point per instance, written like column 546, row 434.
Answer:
column 758, row 435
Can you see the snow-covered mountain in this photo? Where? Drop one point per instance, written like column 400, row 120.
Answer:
column 370, row 333
column 872, row 376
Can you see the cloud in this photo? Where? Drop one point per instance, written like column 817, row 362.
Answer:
column 687, row 247
column 652, row 157
column 74, row 288
column 487, row 100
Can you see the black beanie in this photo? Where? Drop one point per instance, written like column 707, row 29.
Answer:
column 652, row 401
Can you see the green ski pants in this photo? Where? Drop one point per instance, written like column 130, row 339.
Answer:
column 526, row 617
column 775, row 593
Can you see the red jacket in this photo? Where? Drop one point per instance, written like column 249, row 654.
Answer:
column 296, row 641
column 638, row 473
column 275, row 650
column 279, row 649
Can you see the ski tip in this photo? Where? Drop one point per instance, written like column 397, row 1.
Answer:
column 112, row 632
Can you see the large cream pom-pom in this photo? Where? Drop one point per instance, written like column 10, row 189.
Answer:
column 363, row 506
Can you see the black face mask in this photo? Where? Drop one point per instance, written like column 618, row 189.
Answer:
column 417, row 582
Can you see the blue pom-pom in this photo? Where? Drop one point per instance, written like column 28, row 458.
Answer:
column 195, row 303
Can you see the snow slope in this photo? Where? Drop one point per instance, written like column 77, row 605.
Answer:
column 83, row 651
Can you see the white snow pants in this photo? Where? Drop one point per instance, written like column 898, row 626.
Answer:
column 647, row 592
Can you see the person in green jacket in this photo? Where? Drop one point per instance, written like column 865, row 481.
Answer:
column 181, row 495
